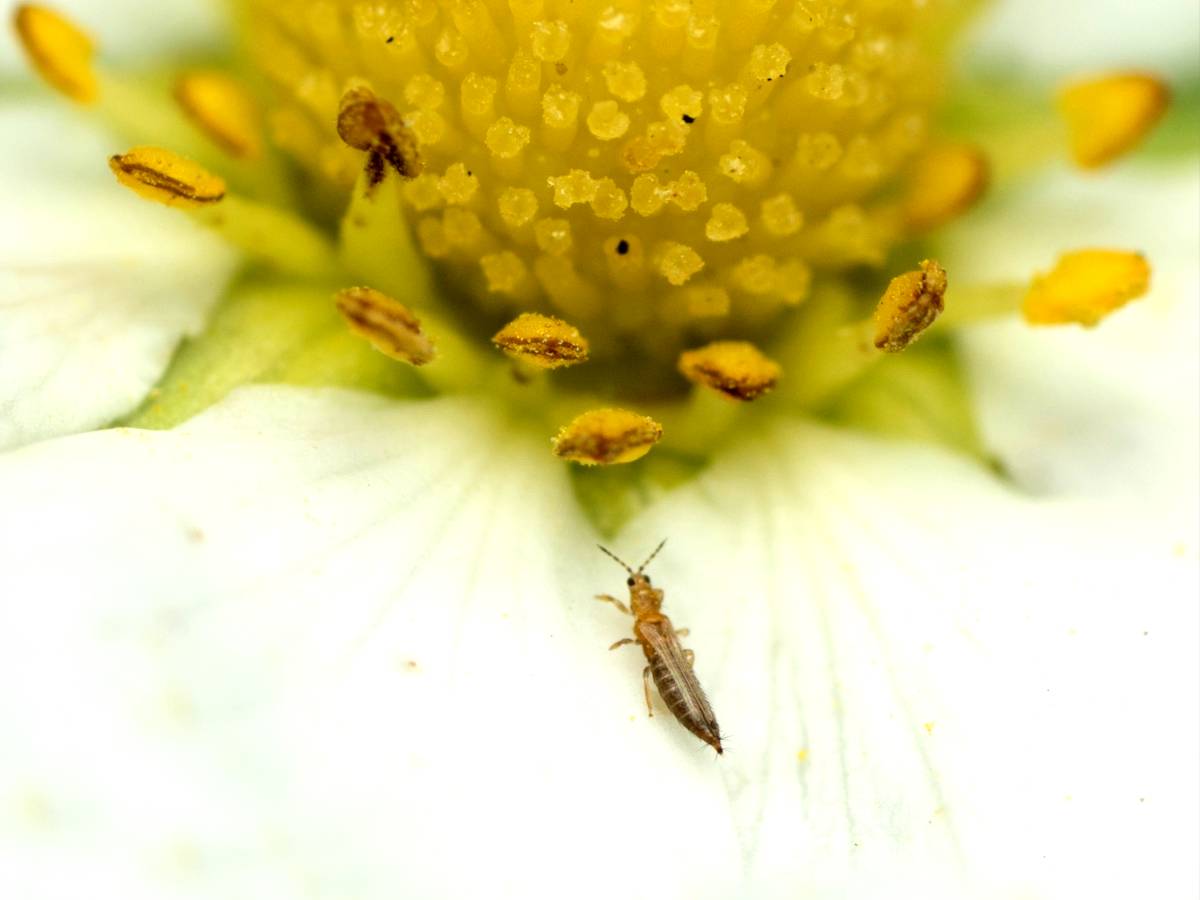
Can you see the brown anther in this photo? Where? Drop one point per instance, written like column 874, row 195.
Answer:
column 606, row 437
column 59, row 50
column 370, row 123
column 910, row 305
column 543, row 341
column 168, row 178
column 387, row 323
column 223, row 110
column 736, row 369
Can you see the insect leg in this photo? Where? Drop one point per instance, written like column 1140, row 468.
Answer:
column 646, row 688
column 614, row 601
column 682, row 632
column 622, row 642
column 690, row 656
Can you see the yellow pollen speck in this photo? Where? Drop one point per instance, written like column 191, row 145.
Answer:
column 1086, row 286
column 682, row 103
column 646, row 195
column 928, row 726
column 505, row 272
column 1109, row 116
column 517, row 206
column 736, row 369
column 802, row 756
column 945, row 182
column 553, row 236
column 780, row 216
column 543, row 341
column 550, row 41
column 625, row 80
column 458, row 185
column 577, row 186
column 688, row 192
column 677, row 262
column 166, row 177
column 606, row 121
column 59, row 50
column 606, row 437
column 726, row 223
column 506, row 138
column 224, row 110
column 609, row 201
column 390, row 327
column 910, row 305
column 745, row 165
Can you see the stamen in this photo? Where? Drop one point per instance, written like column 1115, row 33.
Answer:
column 167, row 178
column 945, row 182
column 1109, row 116
column 265, row 232
column 370, row 123
column 607, row 437
column 736, row 369
column 1086, row 286
column 910, row 305
column 543, row 341
column 387, row 323
column 223, row 110
column 59, row 50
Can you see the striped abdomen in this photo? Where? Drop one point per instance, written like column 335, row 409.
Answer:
column 675, row 680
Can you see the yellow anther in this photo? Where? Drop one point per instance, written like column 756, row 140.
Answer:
column 688, row 191
column 370, row 123
column 458, row 186
column 736, row 369
column 223, row 110
column 553, row 236
column 517, row 206
column 506, row 138
column 1110, row 115
column 550, row 41
column 387, row 323
column 910, row 305
column 780, row 215
column 543, row 341
column 945, row 182
column 166, row 177
column 682, row 103
column 505, row 272
column 606, row 437
column 59, row 50
column 1085, row 286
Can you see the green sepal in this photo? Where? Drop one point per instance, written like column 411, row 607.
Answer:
column 269, row 330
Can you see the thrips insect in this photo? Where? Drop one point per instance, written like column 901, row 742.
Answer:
column 667, row 662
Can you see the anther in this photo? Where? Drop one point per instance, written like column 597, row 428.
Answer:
column 223, row 110
column 1109, row 116
column 1085, row 286
column 945, row 182
column 607, row 437
column 166, row 177
column 59, row 50
column 387, row 323
column 909, row 306
column 543, row 341
column 370, row 123
column 736, row 369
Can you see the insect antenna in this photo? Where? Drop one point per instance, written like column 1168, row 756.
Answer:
column 622, row 562
column 650, row 557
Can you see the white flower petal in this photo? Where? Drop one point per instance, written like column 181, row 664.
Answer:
column 1039, row 38
column 335, row 644
column 1112, row 410
column 316, row 643
column 928, row 678
column 96, row 286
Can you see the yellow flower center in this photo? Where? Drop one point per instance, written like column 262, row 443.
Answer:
column 658, row 174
